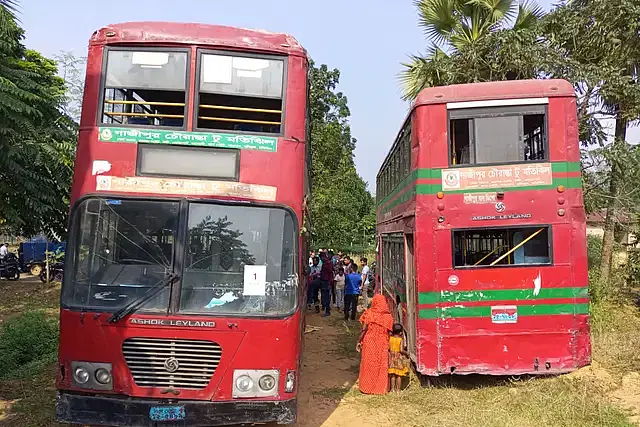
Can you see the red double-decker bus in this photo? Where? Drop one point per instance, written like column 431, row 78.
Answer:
column 482, row 235
column 182, row 295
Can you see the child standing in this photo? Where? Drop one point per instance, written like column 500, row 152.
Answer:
column 340, row 288
column 398, row 358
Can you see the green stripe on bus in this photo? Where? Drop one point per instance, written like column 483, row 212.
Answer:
column 566, row 167
column 430, row 189
column 409, row 180
column 500, row 295
column 485, row 311
column 567, row 182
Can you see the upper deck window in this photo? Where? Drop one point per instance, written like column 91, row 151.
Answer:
column 397, row 165
column 145, row 88
column 238, row 93
column 498, row 135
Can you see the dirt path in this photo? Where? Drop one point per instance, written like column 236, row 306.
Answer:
column 628, row 396
column 329, row 373
column 625, row 393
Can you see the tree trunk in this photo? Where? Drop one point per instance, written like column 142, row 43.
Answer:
column 612, row 204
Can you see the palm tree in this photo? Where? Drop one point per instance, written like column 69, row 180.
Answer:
column 8, row 9
column 457, row 25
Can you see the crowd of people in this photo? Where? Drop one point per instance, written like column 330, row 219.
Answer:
column 335, row 280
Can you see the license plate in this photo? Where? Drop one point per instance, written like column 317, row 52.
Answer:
column 167, row 413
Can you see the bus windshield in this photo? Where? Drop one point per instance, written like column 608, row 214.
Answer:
column 234, row 260
column 121, row 250
column 240, row 260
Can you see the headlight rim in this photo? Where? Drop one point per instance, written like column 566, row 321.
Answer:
column 106, row 371
column 265, row 388
column 76, row 375
column 250, row 382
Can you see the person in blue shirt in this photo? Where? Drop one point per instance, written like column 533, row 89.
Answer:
column 352, row 288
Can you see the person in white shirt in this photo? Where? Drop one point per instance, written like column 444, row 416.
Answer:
column 4, row 250
column 365, row 282
column 340, row 282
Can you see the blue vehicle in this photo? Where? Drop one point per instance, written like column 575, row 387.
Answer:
column 32, row 255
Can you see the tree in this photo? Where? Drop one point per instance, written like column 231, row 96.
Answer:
column 37, row 140
column 340, row 199
column 601, row 42
column 477, row 32
column 72, row 70
column 215, row 236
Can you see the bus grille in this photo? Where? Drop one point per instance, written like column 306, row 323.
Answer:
column 159, row 362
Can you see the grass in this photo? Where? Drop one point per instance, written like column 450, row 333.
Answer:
column 337, row 393
column 28, row 294
column 30, row 401
column 615, row 337
column 27, row 392
column 560, row 401
column 553, row 402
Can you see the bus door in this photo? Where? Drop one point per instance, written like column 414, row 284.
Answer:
column 410, row 319
column 446, row 279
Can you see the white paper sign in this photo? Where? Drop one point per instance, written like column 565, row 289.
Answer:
column 255, row 280
column 157, row 59
column 100, row 166
column 217, row 69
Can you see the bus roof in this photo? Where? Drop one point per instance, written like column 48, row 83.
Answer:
column 511, row 89
column 486, row 91
column 193, row 33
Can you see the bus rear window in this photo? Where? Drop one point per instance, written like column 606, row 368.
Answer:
column 243, row 94
column 501, row 246
column 146, row 88
column 497, row 135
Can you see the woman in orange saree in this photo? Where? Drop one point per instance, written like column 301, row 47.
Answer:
column 373, row 342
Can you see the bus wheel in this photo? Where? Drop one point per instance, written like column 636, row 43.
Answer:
column 429, row 381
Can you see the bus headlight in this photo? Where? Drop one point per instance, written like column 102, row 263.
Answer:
column 81, row 375
column 255, row 383
column 91, row 375
column 103, row 376
column 267, row 382
column 244, row 383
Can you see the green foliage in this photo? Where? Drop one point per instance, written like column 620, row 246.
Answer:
column 482, row 46
column 55, row 256
column 632, row 269
column 37, row 139
column 342, row 210
column 27, row 343
column 594, row 249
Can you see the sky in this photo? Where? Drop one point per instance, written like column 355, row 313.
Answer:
column 365, row 39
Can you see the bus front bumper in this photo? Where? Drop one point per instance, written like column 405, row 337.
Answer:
column 135, row 412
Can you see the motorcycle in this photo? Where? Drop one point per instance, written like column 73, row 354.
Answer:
column 56, row 272
column 10, row 267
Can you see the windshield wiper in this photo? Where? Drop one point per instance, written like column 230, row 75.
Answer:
column 137, row 303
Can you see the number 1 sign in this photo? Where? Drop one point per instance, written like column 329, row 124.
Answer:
column 255, row 280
